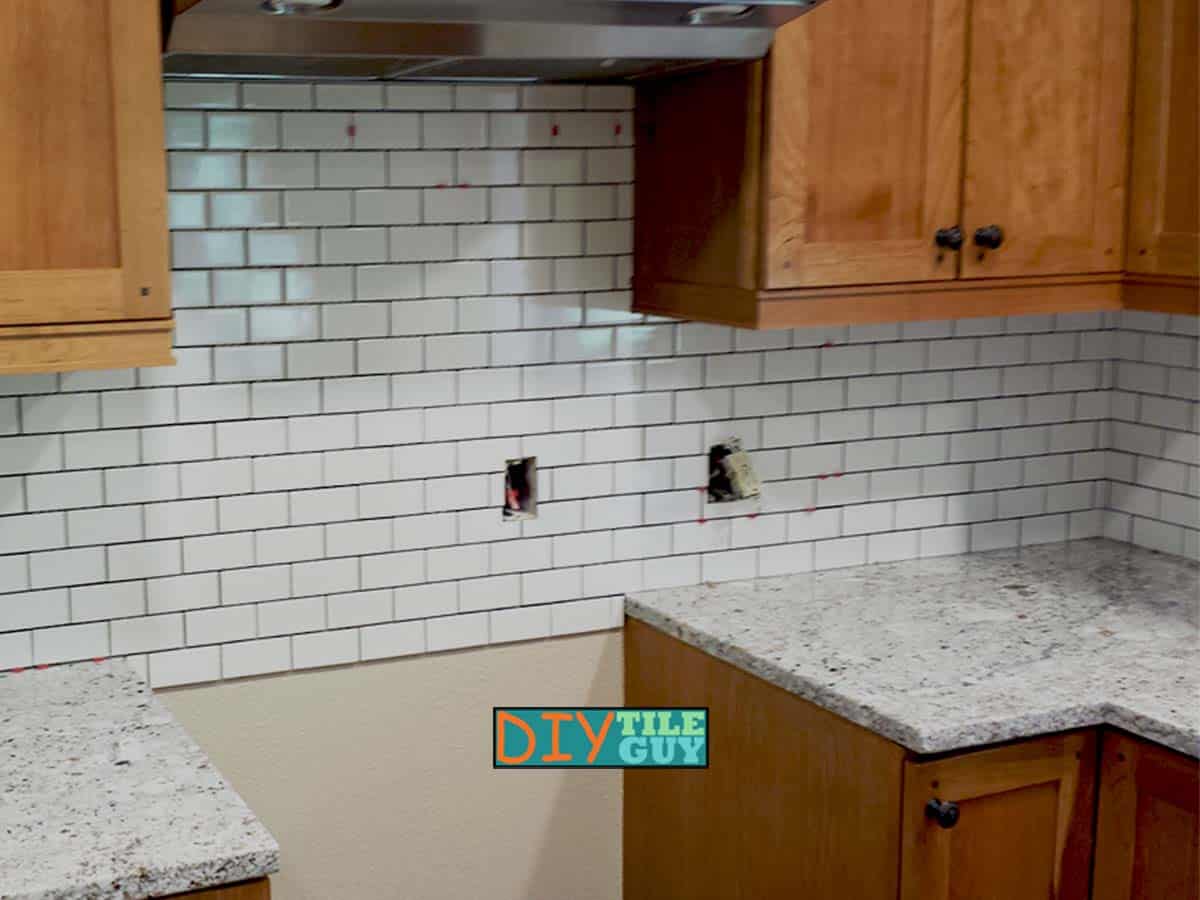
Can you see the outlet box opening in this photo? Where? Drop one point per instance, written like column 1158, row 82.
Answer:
column 520, row 489
column 731, row 475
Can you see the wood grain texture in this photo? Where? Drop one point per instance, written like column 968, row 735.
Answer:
column 141, row 173
column 1025, row 826
column 1047, row 135
column 259, row 889
column 1148, row 827
column 697, row 156
column 1161, row 293
column 70, row 347
column 84, row 238
column 58, row 156
column 1164, row 187
column 859, row 304
column 864, row 149
column 797, row 802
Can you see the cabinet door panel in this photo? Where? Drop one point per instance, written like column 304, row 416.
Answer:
column 83, row 233
column 1024, row 827
column 1148, row 831
column 1164, row 202
column 1047, row 131
column 864, row 146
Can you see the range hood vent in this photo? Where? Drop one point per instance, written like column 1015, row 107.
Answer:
column 467, row 40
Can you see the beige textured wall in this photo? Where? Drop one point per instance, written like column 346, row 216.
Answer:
column 376, row 779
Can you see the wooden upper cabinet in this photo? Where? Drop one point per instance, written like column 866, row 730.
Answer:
column 1148, row 830
column 810, row 190
column 1047, row 134
column 84, row 264
column 1023, row 828
column 1164, row 191
column 864, row 143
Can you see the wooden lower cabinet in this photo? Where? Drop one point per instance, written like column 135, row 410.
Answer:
column 258, row 889
column 800, row 803
column 796, row 803
column 1148, row 825
column 1005, row 823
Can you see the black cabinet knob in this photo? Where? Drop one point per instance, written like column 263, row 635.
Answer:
column 989, row 237
column 944, row 812
column 949, row 238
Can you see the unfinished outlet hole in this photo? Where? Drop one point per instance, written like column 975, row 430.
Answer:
column 520, row 489
column 730, row 473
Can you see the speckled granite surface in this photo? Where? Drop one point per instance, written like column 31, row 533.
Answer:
column 103, row 794
column 941, row 654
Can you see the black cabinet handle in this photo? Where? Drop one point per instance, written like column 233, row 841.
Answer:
column 944, row 812
column 989, row 237
column 949, row 238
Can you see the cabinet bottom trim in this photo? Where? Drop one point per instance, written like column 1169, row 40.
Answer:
column 68, row 348
column 856, row 305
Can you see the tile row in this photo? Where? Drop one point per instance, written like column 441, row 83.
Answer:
column 194, row 94
column 233, row 658
column 410, row 207
column 259, row 130
column 185, row 537
column 47, row 612
column 461, row 176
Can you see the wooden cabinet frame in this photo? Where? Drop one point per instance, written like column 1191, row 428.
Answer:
column 724, row 235
column 116, row 313
column 799, row 802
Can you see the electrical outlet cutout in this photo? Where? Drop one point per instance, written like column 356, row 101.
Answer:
column 730, row 473
column 520, row 489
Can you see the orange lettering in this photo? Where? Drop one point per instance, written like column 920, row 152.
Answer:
column 503, row 718
column 595, row 741
column 555, row 719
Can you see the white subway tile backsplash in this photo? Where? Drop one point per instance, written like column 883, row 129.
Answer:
column 433, row 279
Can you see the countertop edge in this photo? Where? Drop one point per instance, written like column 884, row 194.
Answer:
column 197, row 876
column 1088, row 714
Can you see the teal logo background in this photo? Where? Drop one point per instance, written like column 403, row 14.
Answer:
column 599, row 737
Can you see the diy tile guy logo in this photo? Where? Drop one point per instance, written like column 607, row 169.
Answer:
column 596, row 737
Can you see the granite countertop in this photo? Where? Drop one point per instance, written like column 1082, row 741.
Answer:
column 942, row 654
column 103, row 794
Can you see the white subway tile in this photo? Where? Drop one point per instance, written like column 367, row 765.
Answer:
column 107, row 601
column 280, row 170
column 104, row 525
column 393, row 639
column 273, row 95
column 180, row 592
column 291, row 616
column 349, row 96
column 260, row 657
column 147, row 633
column 254, row 585
column 284, row 247
column 70, row 643
column 456, row 632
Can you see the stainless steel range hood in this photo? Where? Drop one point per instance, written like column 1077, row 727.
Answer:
column 510, row 40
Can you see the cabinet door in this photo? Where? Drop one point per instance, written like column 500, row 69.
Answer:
column 1024, row 826
column 1164, row 199
column 83, row 233
column 1149, row 826
column 1047, row 132
column 864, row 143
